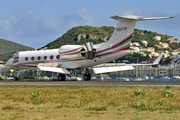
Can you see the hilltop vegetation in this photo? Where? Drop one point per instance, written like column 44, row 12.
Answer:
column 8, row 48
column 99, row 33
column 70, row 37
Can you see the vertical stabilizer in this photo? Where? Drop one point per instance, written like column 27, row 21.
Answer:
column 125, row 28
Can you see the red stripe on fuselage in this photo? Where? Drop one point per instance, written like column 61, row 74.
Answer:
column 70, row 50
column 122, row 50
column 71, row 54
column 124, row 40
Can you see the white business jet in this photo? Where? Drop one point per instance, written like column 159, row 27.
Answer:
column 69, row 57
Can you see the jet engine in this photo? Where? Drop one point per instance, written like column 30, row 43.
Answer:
column 86, row 51
column 90, row 51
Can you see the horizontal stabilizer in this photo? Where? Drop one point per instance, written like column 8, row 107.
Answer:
column 111, row 69
column 54, row 69
column 137, row 18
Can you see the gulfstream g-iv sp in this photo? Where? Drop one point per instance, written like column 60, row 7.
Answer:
column 69, row 57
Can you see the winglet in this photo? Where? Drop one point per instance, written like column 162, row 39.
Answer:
column 158, row 59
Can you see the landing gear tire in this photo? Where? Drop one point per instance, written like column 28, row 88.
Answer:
column 16, row 78
column 87, row 77
column 61, row 77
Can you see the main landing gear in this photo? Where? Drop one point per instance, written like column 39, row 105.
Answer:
column 87, row 76
column 16, row 77
column 61, row 77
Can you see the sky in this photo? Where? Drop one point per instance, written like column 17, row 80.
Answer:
column 36, row 23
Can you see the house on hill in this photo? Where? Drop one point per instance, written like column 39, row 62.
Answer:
column 164, row 45
column 134, row 49
column 136, row 44
column 149, row 49
column 158, row 46
column 157, row 38
column 144, row 42
column 173, row 40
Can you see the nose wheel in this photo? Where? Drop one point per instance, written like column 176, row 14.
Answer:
column 61, row 77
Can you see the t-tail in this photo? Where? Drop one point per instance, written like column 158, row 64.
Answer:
column 123, row 32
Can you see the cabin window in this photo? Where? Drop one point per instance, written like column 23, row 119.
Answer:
column 45, row 57
column 26, row 58
column 58, row 56
column 51, row 57
column 38, row 57
column 32, row 58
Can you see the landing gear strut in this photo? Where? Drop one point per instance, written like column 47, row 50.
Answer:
column 16, row 77
column 87, row 76
column 62, row 77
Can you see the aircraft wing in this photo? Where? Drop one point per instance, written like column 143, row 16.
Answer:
column 111, row 69
column 121, row 67
column 156, row 62
column 52, row 67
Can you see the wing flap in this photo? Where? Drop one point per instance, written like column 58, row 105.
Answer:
column 111, row 69
column 54, row 69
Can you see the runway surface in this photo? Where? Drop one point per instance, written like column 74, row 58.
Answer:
column 91, row 83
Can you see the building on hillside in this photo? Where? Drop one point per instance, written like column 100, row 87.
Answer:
column 134, row 49
column 150, row 49
column 174, row 53
column 157, row 38
column 176, row 57
column 158, row 46
column 136, row 44
column 166, row 55
column 144, row 42
column 154, row 54
column 142, row 54
column 173, row 40
column 164, row 45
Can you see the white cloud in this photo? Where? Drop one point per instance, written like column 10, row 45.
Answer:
column 29, row 29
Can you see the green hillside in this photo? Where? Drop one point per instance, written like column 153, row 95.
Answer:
column 97, row 35
column 70, row 37
column 8, row 48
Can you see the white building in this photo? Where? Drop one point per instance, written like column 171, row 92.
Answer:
column 164, row 45
column 173, row 40
column 136, row 44
column 135, row 49
column 177, row 57
column 154, row 54
column 157, row 38
column 144, row 42
column 166, row 55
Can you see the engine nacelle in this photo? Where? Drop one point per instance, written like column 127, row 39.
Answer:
column 91, row 51
column 71, row 51
column 86, row 51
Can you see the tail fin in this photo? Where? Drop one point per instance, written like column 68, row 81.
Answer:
column 125, row 28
